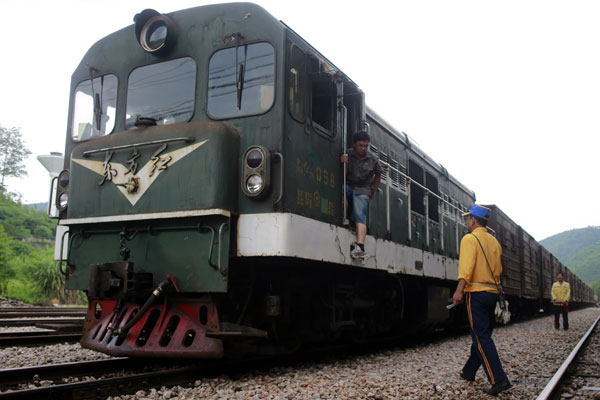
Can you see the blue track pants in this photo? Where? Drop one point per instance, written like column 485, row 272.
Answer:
column 480, row 308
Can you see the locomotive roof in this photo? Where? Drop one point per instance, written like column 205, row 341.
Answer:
column 403, row 138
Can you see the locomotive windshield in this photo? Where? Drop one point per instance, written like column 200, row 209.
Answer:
column 241, row 81
column 95, row 105
column 163, row 92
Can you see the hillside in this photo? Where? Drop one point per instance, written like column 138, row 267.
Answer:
column 38, row 206
column 586, row 263
column 566, row 244
column 578, row 249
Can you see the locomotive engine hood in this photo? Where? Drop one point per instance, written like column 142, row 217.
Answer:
column 156, row 170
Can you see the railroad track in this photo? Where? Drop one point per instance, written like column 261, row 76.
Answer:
column 133, row 376
column 578, row 370
column 19, row 312
column 60, row 325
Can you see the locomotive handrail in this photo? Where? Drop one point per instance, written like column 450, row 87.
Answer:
column 410, row 180
column 212, row 243
column 219, row 249
column 62, row 241
column 428, row 192
column 129, row 146
column 278, row 199
column 345, row 221
column 51, row 193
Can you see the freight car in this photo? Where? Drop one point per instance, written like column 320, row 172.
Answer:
column 201, row 196
column 529, row 269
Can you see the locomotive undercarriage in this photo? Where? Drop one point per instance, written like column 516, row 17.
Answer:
column 272, row 307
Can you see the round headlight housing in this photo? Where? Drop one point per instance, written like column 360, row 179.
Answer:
column 63, row 179
column 254, row 184
column 254, row 158
column 154, row 34
column 63, row 200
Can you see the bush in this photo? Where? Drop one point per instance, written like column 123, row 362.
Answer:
column 42, row 232
column 25, row 291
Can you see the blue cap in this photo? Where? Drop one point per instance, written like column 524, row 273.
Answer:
column 479, row 211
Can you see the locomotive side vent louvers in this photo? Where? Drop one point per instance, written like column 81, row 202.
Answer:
column 402, row 169
column 384, row 157
column 374, row 150
column 394, row 174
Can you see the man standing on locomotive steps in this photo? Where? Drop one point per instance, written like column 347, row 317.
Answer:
column 364, row 175
column 479, row 270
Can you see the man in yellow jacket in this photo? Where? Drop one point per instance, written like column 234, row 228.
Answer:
column 479, row 270
column 561, row 294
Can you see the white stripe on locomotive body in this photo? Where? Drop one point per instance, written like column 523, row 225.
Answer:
column 292, row 235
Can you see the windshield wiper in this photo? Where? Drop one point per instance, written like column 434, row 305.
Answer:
column 145, row 121
column 240, row 86
column 241, row 73
column 97, row 98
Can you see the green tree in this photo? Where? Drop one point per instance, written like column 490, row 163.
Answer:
column 6, row 255
column 596, row 288
column 12, row 154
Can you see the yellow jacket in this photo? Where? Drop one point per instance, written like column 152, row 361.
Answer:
column 561, row 293
column 472, row 266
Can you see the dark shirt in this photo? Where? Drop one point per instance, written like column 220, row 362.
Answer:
column 362, row 173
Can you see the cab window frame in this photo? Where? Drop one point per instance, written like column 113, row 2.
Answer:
column 274, row 75
column 74, row 108
column 193, row 90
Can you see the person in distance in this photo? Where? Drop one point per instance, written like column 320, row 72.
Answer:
column 561, row 294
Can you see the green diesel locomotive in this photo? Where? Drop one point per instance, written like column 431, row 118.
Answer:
column 202, row 195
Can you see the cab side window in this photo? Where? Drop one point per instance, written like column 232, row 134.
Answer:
column 241, row 81
column 296, row 83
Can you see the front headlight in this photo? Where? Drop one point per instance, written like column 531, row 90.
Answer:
column 62, row 190
column 256, row 172
column 63, row 200
column 254, row 184
column 254, row 158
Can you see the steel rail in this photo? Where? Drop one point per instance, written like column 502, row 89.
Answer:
column 35, row 321
column 56, row 371
column 104, row 387
column 52, row 310
column 557, row 379
column 36, row 339
column 7, row 315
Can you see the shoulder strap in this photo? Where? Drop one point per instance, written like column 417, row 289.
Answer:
column 488, row 263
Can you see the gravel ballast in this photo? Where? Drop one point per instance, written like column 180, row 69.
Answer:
column 531, row 352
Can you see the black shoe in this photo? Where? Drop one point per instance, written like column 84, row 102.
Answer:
column 498, row 387
column 465, row 377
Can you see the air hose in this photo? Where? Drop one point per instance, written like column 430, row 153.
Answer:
column 156, row 294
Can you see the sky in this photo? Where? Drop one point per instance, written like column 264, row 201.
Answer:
column 504, row 94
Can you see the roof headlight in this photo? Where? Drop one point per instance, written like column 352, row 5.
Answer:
column 155, row 32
